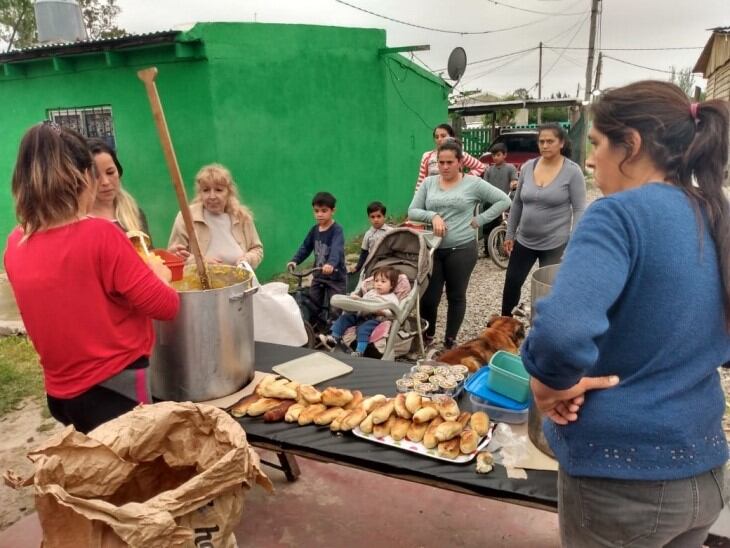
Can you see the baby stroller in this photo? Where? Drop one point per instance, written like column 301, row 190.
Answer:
column 411, row 252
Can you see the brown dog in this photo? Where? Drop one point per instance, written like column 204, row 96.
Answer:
column 502, row 333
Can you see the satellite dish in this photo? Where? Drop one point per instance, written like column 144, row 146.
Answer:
column 457, row 64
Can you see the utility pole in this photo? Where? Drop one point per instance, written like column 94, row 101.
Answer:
column 591, row 48
column 599, row 68
column 539, row 87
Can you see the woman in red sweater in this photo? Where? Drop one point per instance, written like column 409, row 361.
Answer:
column 85, row 296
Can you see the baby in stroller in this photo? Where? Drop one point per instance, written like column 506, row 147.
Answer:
column 383, row 282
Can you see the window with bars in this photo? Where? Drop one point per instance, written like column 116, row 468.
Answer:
column 94, row 122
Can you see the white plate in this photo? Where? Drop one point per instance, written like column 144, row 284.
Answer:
column 417, row 447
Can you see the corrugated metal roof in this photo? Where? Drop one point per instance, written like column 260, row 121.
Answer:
column 88, row 46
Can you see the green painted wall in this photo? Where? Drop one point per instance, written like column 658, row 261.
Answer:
column 290, row 109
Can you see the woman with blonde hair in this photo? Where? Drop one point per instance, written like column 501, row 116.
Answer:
column 224, row 227
column 86, row 297
column 112, row 201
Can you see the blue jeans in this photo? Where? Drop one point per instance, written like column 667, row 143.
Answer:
column 365, row 327
column 608, row 512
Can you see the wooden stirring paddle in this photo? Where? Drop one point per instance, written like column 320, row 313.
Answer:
column 148, row 77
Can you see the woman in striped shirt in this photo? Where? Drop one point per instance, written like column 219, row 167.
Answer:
column 429, row 162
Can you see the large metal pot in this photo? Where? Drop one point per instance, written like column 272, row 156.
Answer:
column 540, row 285
column 207, row 351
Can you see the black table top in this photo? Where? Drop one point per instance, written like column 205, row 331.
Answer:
column 378, row 377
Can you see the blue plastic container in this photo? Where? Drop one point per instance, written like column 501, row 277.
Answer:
column 508, row 376
column 498, row 407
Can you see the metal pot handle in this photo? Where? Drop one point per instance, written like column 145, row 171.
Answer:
column 243, row 295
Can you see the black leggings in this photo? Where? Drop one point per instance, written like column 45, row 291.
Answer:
column 521, row 261
column 451, row 267
column 90, row 409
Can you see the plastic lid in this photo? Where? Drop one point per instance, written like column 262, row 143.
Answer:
column 477, row 386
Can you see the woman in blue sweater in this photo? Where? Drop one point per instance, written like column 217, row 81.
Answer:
column 641, row 307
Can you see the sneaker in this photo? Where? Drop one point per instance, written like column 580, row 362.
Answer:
column 328, row 341
column 427, row 341
column 449, row 343
column 356, row 354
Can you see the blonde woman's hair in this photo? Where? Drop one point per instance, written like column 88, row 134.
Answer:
column 219, row 174
column 126, row 211
column 51, row 174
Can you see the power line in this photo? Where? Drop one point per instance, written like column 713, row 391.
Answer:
column 496, row 57
column 629, row 49
column 463, row 33
column 563, row 32
column 580, row 28
column 534, row 11
column 636, row 65
column 493, row 69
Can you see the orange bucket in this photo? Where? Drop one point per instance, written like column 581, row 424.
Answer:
column 172, row 261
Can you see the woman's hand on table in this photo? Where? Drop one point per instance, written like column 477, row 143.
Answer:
column 562, row 406
column 180, row 250
column 439, row 226
column 509, row 245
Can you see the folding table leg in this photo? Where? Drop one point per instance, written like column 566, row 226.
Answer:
column 287, row 464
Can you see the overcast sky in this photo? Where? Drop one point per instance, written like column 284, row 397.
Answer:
column 558, row 23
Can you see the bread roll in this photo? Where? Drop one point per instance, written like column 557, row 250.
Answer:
column 425, row 414
column 336, row 397
column 292, row 414
column 337, row 421
column 400, row 407
column 280, row 389
column 383, row 429
column 309, row 394
column 413, row 402
column 382, row 413
column 240, row 408
column 328, row 415
column 429, row 439
column 353, row 419
column 447, row 408
column 279, row 412
column 369, row 403
column 399, row 428
column 463, row 418
column 447, row 430
column 307, row 415
column 468, row 441
column 485, row 462
column 480, row 423
column 449, row 449
column 268, row 379
column 366, row 426
column 416, row 431
column 356, row 400
column 261, row 406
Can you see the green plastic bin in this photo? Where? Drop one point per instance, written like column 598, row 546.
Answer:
column 508, row 376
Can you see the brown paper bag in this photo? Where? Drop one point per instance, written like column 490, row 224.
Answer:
column 169, row 474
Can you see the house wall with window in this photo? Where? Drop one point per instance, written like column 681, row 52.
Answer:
column 290, row 109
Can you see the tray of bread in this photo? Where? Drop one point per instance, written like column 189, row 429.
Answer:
column 433, row 427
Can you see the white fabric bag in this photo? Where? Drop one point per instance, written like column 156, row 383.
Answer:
column 277, row 318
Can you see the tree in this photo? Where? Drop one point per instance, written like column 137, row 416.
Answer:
column 18, row 24
column 684, row 79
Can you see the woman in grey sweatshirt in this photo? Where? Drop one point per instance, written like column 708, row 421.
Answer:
column 448, row 201
column 550, row 198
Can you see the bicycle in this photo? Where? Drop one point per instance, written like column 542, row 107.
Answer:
column 495, row 244
column 317, row 319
